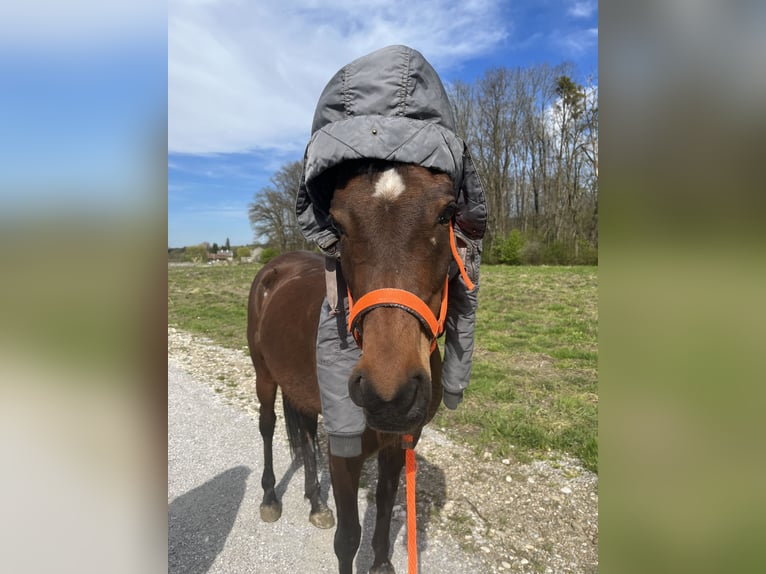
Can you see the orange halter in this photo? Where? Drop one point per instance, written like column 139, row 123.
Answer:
column 390, row 297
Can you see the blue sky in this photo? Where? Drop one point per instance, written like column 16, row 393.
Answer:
column 243, row 79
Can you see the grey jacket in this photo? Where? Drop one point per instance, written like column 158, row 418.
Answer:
column 388, row 105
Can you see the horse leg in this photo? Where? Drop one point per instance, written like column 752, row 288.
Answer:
column 345, row 473
column 321, row 516
column 390, row 463
column 266, row 389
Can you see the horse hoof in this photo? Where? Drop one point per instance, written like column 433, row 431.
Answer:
column 385, row 568
column 271, row 512
column 322, row 518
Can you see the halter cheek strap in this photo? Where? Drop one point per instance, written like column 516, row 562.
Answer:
column 390, row 297
column 459, row 260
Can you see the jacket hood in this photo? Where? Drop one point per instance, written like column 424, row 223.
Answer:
column 388, row 105
column 396, row 81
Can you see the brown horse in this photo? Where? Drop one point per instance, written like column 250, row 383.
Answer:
column 393, row 221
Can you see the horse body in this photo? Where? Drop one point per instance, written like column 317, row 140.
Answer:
column 391, row 219
column 283, row 306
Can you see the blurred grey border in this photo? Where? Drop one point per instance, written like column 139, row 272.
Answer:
column 83, row 401
column 681, row 313
column 681, row 320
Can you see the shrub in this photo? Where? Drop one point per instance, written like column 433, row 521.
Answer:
column 177, row 254
column 243, row 252
column 587, row 254
column 268, row 254
column 531, row 253
column 556, row 253
column 197, row 253
column 527, row 248
column 489, row 251
column 510, row 248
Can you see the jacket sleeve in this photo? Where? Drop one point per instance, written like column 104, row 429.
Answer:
column 459, row 338
column 472, row 205
column 315, row 225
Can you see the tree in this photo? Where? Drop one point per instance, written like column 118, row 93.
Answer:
column 242, row 252
column 533, row 134
column 268, row 254
column 197, row 253
column 495, row 132
column 272, row 212
column 214, row 248
column 228, row 245
column 590, row 149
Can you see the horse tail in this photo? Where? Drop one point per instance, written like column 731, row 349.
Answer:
column 300, row 427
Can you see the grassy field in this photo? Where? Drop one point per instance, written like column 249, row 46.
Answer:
column 534, row 383
column 211, row 300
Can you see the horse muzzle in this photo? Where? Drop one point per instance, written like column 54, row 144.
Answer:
column 405, row 411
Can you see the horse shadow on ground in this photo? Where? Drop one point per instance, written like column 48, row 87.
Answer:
column 200, row 520
column 323, row 475
column 281, row 487
column 430, row 495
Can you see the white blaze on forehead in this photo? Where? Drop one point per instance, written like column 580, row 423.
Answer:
column 389, row 185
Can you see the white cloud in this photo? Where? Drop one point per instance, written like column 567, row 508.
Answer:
column 582, row 9
column 246, row 75
column 577, row 41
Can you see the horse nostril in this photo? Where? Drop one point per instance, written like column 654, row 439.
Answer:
column 409, row 399
column 363, row 391
column 355, row 388
column 417, row 388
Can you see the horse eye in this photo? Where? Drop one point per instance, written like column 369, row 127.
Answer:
column 446, row 215
column 337, row 226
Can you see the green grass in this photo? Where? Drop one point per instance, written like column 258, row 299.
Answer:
column 211, row 300
column 534, row 384
column 534, row 381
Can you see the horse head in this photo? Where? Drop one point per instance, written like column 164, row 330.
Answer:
column 394, row 227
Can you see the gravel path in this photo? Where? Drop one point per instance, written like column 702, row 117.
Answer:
column 214, row 463
column 482, row 514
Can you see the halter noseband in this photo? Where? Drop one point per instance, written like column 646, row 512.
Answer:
column 408, row 301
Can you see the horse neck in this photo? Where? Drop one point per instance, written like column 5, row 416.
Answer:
column 436, row 385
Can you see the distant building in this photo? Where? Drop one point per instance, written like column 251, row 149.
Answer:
column 222, row 255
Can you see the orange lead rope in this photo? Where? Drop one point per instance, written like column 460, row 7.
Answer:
column 412, row 543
